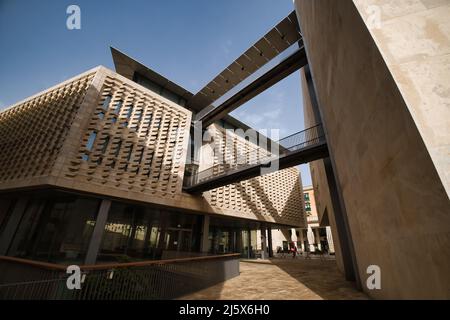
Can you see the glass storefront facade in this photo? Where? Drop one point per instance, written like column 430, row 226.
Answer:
column 57, row 227
column 143, row 233
column 54, row 230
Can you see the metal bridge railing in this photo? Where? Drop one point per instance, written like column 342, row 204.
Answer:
column 293, row 143
column 147, row 280
column 303, row 139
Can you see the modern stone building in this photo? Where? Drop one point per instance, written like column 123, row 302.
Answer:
column 96, row 168
column 378, row 80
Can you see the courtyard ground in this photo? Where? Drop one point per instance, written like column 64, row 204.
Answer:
column 283, row 279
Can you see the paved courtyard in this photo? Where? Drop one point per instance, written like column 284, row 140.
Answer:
column 283, row 279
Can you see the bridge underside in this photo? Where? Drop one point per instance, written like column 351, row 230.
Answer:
column 293, row 63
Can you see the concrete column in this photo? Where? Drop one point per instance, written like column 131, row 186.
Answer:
column 330, row 240
column 13, row 223
column 205, row 234
column 340, row 213
column 343, row 229
column 232, row 245
column 97, row 234
column 263, row 243
column 239, row 241
column 302, row 244
column 311, row 238
column 317, row 238
column 249, row 244
column 269, row 239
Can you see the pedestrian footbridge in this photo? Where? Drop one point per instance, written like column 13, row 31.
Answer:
column 302, row 147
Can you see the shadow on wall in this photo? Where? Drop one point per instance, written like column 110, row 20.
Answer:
column 266, row 202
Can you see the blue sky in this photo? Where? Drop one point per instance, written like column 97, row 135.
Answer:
column 189, row 42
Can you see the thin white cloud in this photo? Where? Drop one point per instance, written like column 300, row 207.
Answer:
column 226, row 47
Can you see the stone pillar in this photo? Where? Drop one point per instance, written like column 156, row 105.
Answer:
column 97, row 234
column 311, row 240
column 239, row 241
column 263, row 243
column 269, row 239
column 317, row 238
column 302, row 241
column 249, row 244
column 340, row 213
column 233, row 240
column 342, row 226
column 205, row 235
column 12, row 224
column 330, row 240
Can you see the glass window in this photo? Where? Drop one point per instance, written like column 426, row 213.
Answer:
column 139, row 115
column 141, row 155
column 130, row 152
column 170, row 95
column 106, row 102
column 129, row 112
column 307, row 206
column 91, row 140
column 6, row 206
column 135, row 233
column 153, row 86
column 105, row 144
column 118, row 106
column 131, row 233
column 57, row 231
column 147, row 83
column 119, row 145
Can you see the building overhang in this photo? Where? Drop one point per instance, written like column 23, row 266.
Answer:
column 128, row 67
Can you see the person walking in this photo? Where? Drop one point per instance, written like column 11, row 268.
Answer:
column 294, row 250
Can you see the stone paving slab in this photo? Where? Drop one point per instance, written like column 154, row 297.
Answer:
column 283, row 279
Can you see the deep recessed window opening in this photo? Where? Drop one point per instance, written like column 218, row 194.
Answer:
column 119, row 145
column 106, row 102
column 118, row 106
column 139, row 115
column 130, row 111
column 130, row 151
column 105, row 144
column 141, row 154
column 91, row 140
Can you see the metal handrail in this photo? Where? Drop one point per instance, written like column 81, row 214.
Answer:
column 161, row 279
column 109, row 266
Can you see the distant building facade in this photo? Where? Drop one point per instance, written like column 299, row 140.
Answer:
column 315, row 237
